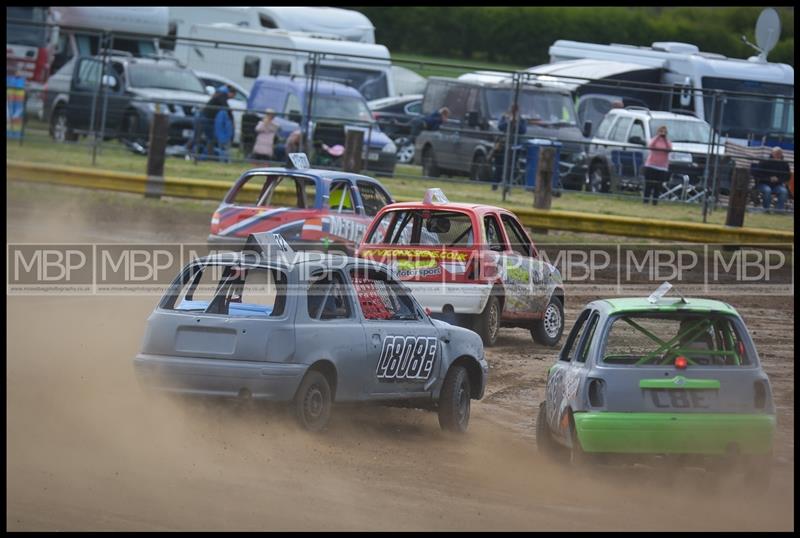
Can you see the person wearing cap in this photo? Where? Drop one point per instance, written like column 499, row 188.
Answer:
column 265, row 148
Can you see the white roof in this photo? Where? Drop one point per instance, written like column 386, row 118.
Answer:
column 586, row 69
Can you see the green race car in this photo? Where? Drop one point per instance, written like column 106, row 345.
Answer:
column 647, row 376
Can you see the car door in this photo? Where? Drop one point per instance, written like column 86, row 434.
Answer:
column 347, row 223
column 638, row 148
column 403, row 347
column 447, row 154
column 532, row 298
column 621, row 154
column 85, row 85
column 117, row 101
column 514, row 271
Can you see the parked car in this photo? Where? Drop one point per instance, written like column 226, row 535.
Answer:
column 335, row 109
column 238, row 104
column 270, row 324
column 310, row 208
column 135, row 88
column 472, row 265
column 655, row 376
column 462, row 145
column 394, row 115
column 618, row 151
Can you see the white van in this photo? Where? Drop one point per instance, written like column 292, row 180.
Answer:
column 244, row 54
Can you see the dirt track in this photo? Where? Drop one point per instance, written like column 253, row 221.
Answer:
column 86, row 450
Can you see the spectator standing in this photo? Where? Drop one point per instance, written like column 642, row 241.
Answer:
column 208, row 116
column 771, row 176
column 223, row 135
column 656, row 167
column 265, row 148
column 509, row 122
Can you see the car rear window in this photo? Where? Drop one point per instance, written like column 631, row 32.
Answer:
column 272, row 190
column 647, row 339
column 426, row 227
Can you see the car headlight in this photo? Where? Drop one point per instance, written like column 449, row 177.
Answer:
column 680, row 157
column 390, row 147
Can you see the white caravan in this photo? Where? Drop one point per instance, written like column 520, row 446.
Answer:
column 343, row 23
column 746, row 117
column 243, row 54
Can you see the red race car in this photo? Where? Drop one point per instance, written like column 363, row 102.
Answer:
column 321, row 209
column 472, row 265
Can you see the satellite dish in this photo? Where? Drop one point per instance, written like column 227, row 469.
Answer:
column 768, row 31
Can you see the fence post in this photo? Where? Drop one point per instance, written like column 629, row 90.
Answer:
column 108, row 42
column 543, row 194
column 507, row 170
column 156, row 155
column 353, row 147
column 737, row 203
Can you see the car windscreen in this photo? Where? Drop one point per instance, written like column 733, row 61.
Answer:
column 655, row 338
column 549, row 108
column 159, row 76
column 424, row 227
column 683, row 131
column 340, row 108
column 369, row 83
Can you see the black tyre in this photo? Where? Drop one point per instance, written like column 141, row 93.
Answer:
column 487, row 323
column 59, row 127
column 312, row 403
column 599, row 180
column 577, row 456
column 545, row 443
column 454, row 401
column 479, row 170
column 548, row 330
column 429, row 166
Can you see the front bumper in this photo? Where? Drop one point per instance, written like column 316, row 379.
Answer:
column 464, row 298
column 220, row 378
column 675, row 433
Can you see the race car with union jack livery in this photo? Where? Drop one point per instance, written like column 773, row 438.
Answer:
column 311, row 209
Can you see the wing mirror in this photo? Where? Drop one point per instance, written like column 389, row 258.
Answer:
column 109, row 81
column 587, row 128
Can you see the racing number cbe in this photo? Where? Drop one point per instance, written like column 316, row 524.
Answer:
column 406, row 358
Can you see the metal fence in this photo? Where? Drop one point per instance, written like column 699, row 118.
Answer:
column 104, row 94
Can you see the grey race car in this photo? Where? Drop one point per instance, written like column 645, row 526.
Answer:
column 307, row 328
column 656, row 376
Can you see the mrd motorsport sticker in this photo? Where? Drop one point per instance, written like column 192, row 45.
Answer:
column 406, row 358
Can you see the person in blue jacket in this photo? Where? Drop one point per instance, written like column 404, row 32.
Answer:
column 223, row 135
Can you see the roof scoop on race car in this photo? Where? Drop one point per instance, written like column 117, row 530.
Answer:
column 299, row 160
column 435, row 196
column 661, row 291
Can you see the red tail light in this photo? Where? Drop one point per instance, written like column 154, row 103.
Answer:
column 681, row 362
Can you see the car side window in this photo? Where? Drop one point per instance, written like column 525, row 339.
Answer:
column 605, row 127
column 588, row 334
column 292, row 104
column 340, row 198
column 494, row 237
column 620, row 130
column 568, row 351
column 414, row 108
column 519, row 242
column 88, row 76
column 373, row 197
column 328, row 298
column 381, row 297
column 637, row 131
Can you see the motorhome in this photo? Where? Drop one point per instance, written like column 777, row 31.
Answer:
column 244, row 54
column 758, row 96
column 343, row 23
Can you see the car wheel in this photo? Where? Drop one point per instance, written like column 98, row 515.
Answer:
column 454, row 401
column 577, row 456
column 487, row 323
column 548, row 330
column 405, row 151
column 429, row 166
column 312, row 403
column 545, row 443
column 598, row 179
column 133, row 129
column 59, row 127
column 478, row 169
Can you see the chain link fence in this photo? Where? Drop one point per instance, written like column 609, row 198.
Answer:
column 103, row 94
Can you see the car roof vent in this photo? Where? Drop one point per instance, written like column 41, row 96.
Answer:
column 661, row 291
column 269, row 246
column 675, row 47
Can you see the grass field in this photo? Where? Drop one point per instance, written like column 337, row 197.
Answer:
column 421, row 64
column 408, row 182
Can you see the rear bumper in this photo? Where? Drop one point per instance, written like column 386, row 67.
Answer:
column 464, row 298
column 675, row 433
column 208, row 377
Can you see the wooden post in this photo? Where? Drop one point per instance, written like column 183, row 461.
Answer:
column 353, row 148
column 737, row 202
column 543, row 194
column 156, row 154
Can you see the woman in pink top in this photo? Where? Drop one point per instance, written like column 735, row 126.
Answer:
column 656, row 167
column 264, row 149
